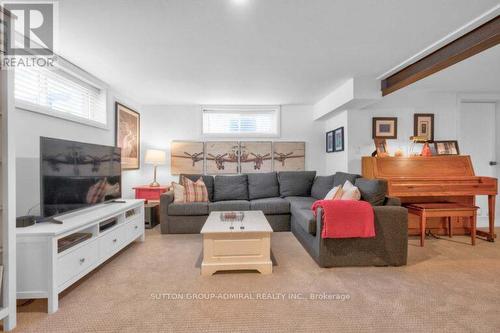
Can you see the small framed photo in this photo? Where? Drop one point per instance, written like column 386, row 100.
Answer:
column 447, row 147
column 423, row 125
column 381, row 147
column 329, row 142
column 385, row 128
column 338, row 139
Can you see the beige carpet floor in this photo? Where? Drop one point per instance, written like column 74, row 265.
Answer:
column 448, row 286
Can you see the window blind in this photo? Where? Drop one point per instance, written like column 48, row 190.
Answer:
column 241, row 121
column 58, row 91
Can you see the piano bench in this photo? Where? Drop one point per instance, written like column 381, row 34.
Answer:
column 443, row 209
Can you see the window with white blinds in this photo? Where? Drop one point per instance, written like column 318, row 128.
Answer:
column 59, row 93
column 241, row 121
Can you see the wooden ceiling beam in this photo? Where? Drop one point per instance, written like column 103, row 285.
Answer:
column 474, row 42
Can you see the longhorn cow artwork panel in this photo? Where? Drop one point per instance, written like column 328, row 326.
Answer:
column 186, row 157
column 289, row 156
column 222, row 157
column 256, row 156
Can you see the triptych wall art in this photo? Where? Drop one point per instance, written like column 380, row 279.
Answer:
column 231, row 157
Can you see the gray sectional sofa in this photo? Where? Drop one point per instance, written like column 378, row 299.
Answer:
column 286, row 199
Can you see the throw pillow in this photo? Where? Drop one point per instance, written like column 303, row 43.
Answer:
column 195, row 191
column 334, row 194
column 179, row 192
column 350, row 192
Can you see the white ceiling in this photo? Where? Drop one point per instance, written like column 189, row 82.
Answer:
column 478, row 74
column 249, row 51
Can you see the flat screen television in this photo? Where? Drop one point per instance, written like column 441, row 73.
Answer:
column 76, row 175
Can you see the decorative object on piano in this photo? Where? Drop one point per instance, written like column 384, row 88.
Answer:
column 426, row 150
column 338, row 139
column 381, row 148
column 329, row 142
column 423, row 125
column 385, row 128
column 399, row 152
column 449, row 147
column 128, row 136
column 415, row 140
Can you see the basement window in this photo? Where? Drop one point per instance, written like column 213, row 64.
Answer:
column 241, row 121
column 60, row 93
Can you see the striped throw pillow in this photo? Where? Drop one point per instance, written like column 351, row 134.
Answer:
column 195, row 191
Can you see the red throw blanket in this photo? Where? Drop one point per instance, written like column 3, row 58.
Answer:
column 346, row 218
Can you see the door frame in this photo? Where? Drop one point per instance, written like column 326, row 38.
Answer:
column 493, row 98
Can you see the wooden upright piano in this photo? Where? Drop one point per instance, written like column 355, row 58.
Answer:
column 435, row 179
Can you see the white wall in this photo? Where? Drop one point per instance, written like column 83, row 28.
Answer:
column 402, row 105
column 30, row 126
column 162, row 124
column 337, row 161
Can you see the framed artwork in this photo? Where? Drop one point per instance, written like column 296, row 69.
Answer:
column 423, row 124
column 381, row 147
column 289, row 156
column 128, row 136
column 329, row 142
column 222, row 157
column 447, row 147
column 256, row 156
column 385, row 128
column 338, row 139
column 186, row 157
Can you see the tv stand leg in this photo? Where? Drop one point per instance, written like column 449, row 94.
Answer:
column 53, row 303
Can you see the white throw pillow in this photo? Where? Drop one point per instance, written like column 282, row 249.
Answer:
column 350, row 192
column 334, row 194
column 179, row 193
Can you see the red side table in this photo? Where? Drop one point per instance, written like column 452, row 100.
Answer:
column 149, row 193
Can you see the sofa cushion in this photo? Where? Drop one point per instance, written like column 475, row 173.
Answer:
column 321, row 186
column 188, row 208
column 208, row 180
column 300, row 202
column 305, row 219
column 228, row 205
column 263, row 185
column 372, row 190
column 231, row 188
column 271, row 206
column 296, row 183
column 340, row 178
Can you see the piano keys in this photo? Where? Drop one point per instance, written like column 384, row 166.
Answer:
column 435, row 179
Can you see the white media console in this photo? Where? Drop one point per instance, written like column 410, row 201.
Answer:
column 44, row 269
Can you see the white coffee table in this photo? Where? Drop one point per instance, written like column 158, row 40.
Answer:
column 246, row 246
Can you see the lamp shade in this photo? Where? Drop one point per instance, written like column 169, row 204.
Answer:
column 156, row 157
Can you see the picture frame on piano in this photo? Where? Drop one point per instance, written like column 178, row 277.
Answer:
column 447, row 147
column 381, row 147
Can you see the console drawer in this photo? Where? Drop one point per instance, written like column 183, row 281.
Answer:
column 111, row 242
column 72, row 264
column 135, row 228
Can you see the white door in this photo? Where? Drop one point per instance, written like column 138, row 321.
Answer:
column 478, row 139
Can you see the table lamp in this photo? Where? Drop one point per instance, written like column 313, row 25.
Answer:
column 155, row 157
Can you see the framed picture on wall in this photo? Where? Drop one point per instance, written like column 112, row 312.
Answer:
column 338, row 139
column 128, row 136
column 329, row 142
column 222, row 157
column 423, row 125
column 186, row 157
column 449, row 147
column 289, row 156
column 256, row 156
column 385, row 128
